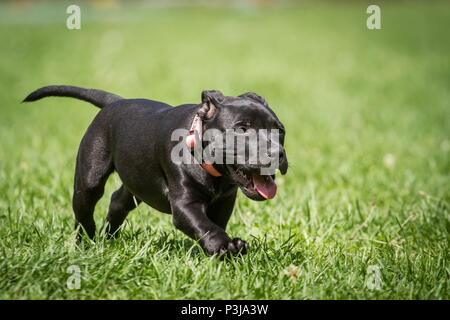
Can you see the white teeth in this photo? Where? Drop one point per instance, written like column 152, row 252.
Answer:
column 243, row 178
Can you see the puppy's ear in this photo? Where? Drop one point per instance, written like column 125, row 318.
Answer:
column 255, row 97
column 210, row 100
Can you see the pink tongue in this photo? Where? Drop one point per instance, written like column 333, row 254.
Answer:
column 265, row 186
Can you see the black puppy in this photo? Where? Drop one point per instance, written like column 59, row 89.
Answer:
column 133, row 138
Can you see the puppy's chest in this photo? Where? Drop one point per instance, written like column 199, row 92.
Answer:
column 222, row 191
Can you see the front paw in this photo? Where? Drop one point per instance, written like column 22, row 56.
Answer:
column 221, row 244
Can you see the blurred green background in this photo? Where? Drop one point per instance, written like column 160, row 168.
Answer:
column 367, row 120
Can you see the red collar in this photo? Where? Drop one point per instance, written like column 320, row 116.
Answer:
column 210, row 169
column 190, row 140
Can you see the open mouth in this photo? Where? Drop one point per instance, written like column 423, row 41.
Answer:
column 253, row 185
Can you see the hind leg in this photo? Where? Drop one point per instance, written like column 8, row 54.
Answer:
column 94, row 165
column 122, row 203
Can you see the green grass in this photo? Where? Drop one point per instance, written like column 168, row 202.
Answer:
column 368, row 139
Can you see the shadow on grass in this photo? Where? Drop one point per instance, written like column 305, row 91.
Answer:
column 173, row 243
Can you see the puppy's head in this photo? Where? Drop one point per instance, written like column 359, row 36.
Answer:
column 251, row 141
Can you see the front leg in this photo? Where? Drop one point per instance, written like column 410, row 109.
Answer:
column 190, row 217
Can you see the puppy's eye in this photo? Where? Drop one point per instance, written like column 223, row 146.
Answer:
column 241, row 130
column 243, row 127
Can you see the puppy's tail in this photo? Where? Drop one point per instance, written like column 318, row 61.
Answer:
column 98, row 98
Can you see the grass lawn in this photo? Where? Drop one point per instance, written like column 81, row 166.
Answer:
column 363, row 211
